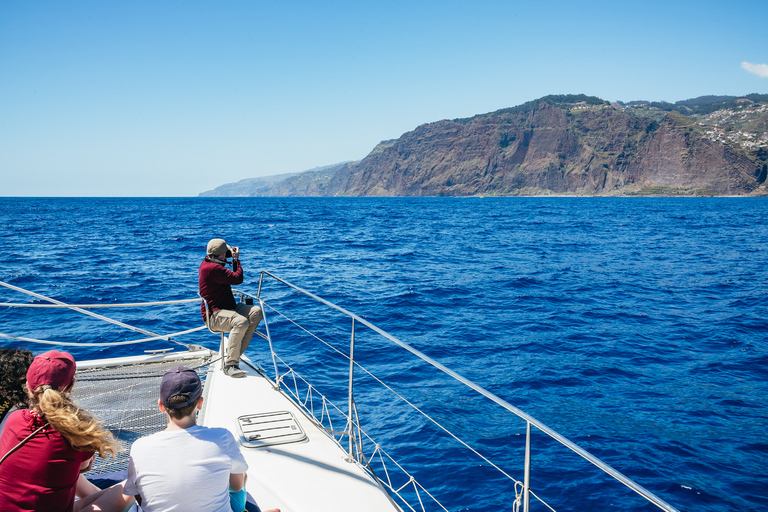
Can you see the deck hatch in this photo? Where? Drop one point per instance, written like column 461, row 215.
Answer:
column 269, row 428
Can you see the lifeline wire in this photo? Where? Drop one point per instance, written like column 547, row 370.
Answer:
column 89, row 306
column 85, row 312
column 109, row 344
column 400, row 397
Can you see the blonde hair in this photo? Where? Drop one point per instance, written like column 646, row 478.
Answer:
column 78, row 427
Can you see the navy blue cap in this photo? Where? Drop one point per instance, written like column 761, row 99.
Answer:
column 180, row 381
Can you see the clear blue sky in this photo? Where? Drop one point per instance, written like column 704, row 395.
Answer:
column 172, row 98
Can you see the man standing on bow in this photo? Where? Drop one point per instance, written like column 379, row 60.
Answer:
column 224, row 314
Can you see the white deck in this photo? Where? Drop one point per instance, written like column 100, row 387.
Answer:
column 310, row 475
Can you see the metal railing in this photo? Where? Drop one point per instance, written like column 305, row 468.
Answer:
column 353, row 431
column 395, row 479
column 83, row 309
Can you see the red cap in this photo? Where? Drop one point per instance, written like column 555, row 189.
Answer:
column 55, row 369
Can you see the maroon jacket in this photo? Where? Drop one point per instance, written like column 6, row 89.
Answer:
column 215, row 284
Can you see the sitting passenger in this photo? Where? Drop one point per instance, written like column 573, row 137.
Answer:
column 226, row 315
column 186, row 466
column 46, row 447
column 14, row 363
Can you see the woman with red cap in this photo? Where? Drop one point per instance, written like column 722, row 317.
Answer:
column 46, row 447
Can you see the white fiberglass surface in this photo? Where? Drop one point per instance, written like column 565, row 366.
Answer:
column 309, row 474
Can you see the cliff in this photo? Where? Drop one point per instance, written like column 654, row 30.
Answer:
column 576, row 145
column 307, row 183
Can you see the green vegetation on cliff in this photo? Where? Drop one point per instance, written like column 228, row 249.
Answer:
column 560, row 100
column 704, row 104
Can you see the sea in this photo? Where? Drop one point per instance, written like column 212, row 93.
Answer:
column 635, row 327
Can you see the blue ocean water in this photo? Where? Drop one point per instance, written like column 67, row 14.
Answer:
column 633, row 326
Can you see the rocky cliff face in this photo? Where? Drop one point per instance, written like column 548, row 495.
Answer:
column 557, row 145
column 596, row 150
column 676, row 155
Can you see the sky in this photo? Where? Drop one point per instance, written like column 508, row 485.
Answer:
column 172, row 98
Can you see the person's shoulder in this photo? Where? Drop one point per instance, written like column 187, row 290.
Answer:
column 220, row 433
column 212, row 266
column 138, row 444
column 22, row 416
column 147, row 442
column 17, row 421
column 213, row 431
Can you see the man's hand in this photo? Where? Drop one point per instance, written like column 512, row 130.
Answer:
column 235, row 253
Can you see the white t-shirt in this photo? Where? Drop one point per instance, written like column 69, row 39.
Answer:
column 184, row 470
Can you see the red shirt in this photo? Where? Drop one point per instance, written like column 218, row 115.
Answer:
column 215, row 285
column 42, row 474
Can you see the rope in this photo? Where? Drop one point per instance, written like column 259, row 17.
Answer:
column 411, row 480
column 497, row 468
column 645, row 493
column 143, row 375
column 444, row 429
column 311, row 416
column 125, row 305
column 22, row 442
column 308, row 332
column 416, row 485
column 541, row 501
column 109, row 344
column 85, row 312
column 518, row 497
column 358, row 443
column 517, row 503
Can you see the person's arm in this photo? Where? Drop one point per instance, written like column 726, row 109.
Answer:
column 85, row 487
column 222, row 275
column 87, row 464
column 129, row 484
column 237, row 481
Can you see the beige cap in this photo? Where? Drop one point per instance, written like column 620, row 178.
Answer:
column 218, row 246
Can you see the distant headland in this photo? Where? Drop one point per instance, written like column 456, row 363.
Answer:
column 557, row 145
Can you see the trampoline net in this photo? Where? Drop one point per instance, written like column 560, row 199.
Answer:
column 124, row 399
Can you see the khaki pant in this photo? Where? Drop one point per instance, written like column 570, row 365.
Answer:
column 240, row 324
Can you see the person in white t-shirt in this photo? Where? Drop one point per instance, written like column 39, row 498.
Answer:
column 186, row 466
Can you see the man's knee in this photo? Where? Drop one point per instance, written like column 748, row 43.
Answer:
column 239, row 322
column 255, row 315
